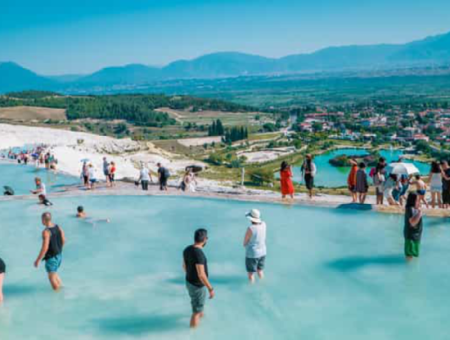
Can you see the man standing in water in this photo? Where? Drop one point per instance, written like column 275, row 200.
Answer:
column 53, row 241
column 413, row 226
column 255, row 246
column 196, row 267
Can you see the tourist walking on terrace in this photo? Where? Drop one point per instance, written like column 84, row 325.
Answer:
column 2, row 277
column 435, row 180
column 309, row 171
column 351, row 180
column 445, row 184
column 195, row 266
column 144, row 178
column 163, row 176
column 378, row 182
column 92, row 178
column 53, row 241
column 188, row 181
column 106, row 171
column 421, row 189
column 112, row 173
column 287, row 187
column 255, row 246
column 85, row 174
column 362, row 185
column 413, row 226
column 389, row 186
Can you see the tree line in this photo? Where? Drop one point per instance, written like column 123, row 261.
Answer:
column 139, row 109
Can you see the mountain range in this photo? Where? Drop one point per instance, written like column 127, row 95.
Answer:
column 432, row 51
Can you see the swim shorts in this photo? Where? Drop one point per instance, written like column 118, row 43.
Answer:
column 198, row 297
column 412, row 248
column 52, row 264
column 253, row 265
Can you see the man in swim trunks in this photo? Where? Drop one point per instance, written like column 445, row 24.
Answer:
column 53, row 240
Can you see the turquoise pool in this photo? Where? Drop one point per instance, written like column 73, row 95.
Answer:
column 331, row 176
column 331, row 274
column 21, row 178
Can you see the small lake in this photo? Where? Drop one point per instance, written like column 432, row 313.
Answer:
column 331, row 176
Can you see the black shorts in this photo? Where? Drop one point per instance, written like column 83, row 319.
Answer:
column 2, row 267
column 309, row 181
column 446, row 196
column 254, row 265
column 111, row 177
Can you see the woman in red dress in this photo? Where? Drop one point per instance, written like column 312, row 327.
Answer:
column 287, row 188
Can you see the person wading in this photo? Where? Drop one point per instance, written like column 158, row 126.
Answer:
column 53, row 240
column 413, row 226
column 255, row 246
column 195, row 266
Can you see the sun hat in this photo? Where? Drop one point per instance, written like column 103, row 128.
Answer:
column 254, row 215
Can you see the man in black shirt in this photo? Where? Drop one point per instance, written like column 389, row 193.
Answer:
column 195, row 265
column 53, row 240
column 163, row 175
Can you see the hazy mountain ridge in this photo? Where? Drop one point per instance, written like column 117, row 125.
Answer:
column 431, row 51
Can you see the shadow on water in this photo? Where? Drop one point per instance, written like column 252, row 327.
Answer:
column 355, row 206
column 226, row 280
column 352, row 263
column 141, row 324
column 436, row 222
column 18, row 290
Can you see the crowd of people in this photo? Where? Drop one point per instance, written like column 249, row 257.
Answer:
column 390, row 188
column 40, row 156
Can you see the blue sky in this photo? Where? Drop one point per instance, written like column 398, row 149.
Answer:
column 82, row 36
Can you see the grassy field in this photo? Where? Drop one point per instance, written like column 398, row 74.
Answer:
column 27, row 113
column 207, row 117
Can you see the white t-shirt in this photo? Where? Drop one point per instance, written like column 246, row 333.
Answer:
column 145, row 175
column 43, row 189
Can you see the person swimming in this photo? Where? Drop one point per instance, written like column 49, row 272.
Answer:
column 81, row 214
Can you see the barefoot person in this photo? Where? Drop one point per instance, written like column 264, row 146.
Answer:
column 255, row 246
column 362, row 185
column 287, row 188
column 435, row 179
column 413, row 226
column 309, row 171
column 40, row 187
column 196, row 267
column 163, row 175
column 421, row 189
column 53, row 241
column 106, row 171
column 351, row 180
column 2, row 277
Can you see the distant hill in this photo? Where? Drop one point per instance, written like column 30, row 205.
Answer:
column 16, row 78
column 432, row 51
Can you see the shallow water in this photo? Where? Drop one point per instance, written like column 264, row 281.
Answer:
column 21, row 178
column 331, row 274
column 331, row 176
